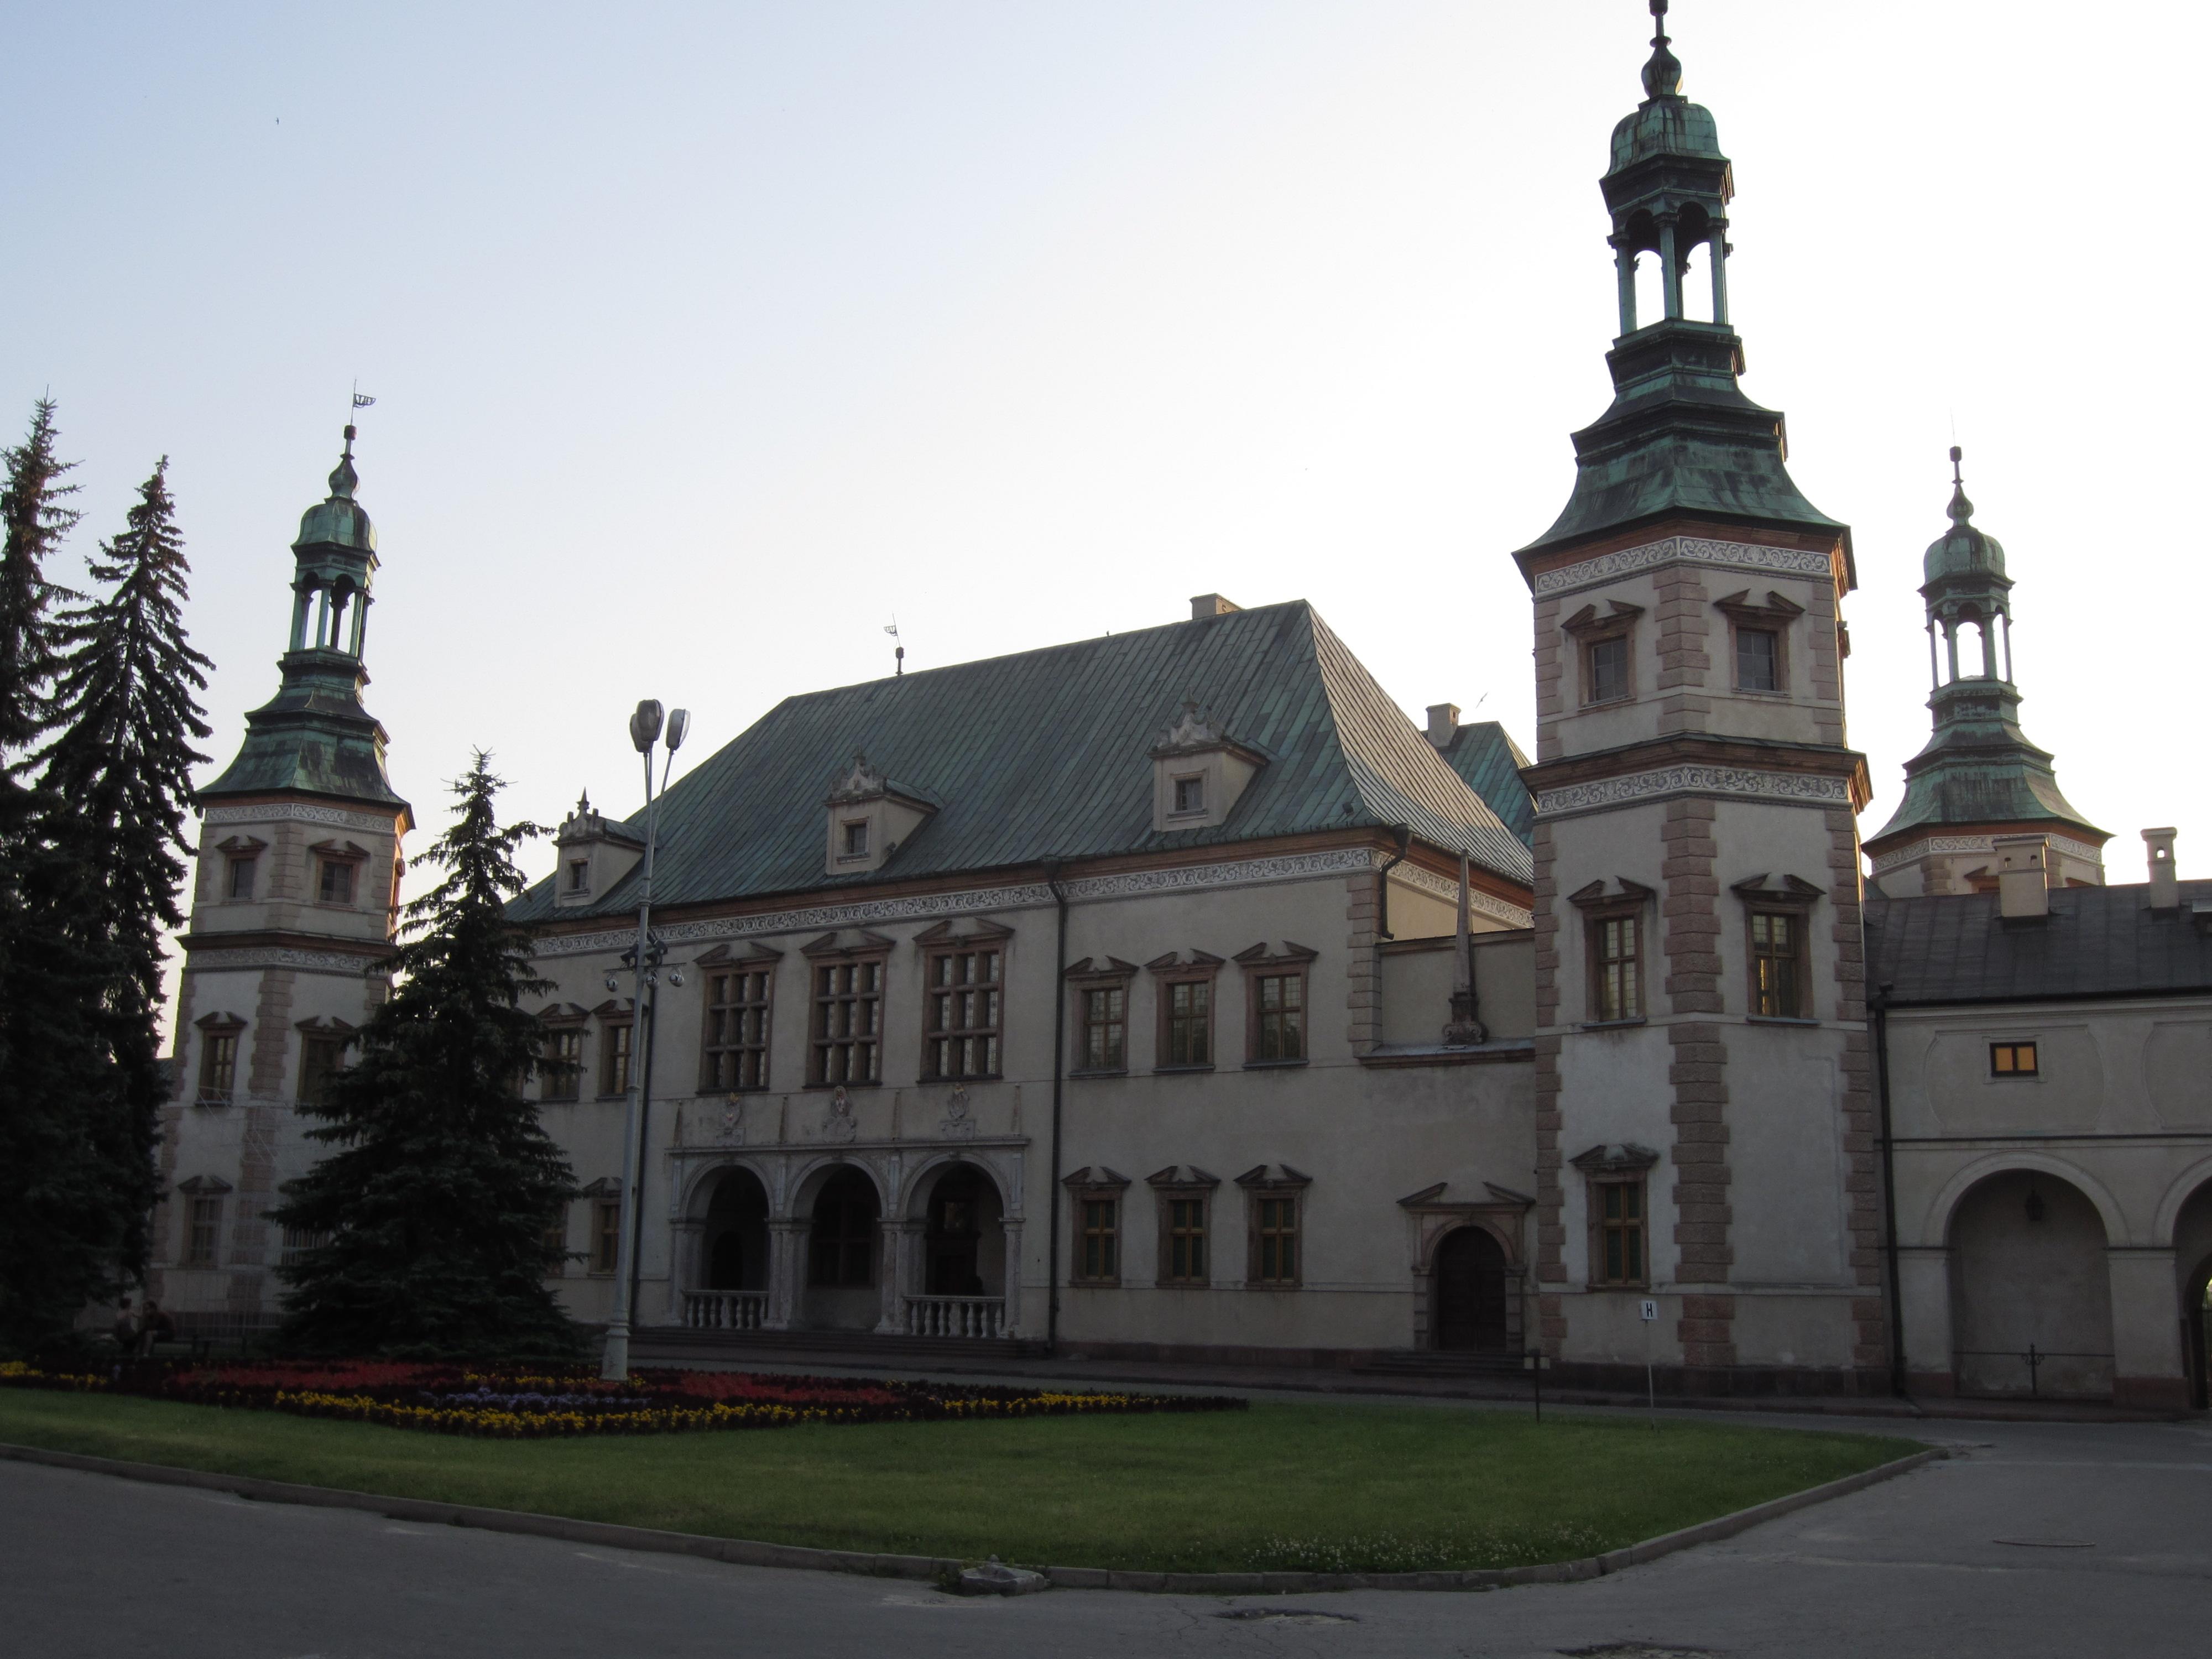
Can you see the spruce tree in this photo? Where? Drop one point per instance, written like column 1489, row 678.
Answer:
column 433, row 1208
column 118, row 776
column 35, row 516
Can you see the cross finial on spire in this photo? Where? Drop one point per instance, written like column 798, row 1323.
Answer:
column 1662, row 76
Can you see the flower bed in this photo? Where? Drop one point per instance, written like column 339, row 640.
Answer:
column 510, row 1402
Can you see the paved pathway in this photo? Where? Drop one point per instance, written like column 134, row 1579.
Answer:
column 2115, row 1557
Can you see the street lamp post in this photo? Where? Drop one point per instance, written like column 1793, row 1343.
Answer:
column 645, row 732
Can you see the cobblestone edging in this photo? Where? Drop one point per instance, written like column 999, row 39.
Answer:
column 744, row 1553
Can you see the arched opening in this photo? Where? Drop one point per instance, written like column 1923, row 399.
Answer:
column 734, row 1244
column 2192, row 1257
column 1651, row 289
column 1470, row 1287
column 958, row 1285
column 841, row 1250
column 2031, row 1294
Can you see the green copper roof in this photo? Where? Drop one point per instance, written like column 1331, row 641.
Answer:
column 1963, row 550
column 1491, row 762
column 1047, row 754
column 339, row 522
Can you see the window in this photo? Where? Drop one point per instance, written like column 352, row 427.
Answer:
column 855, row 842
column 242, row 877
column 848, row 1022
column 298, row 1241
column 203, row 1232
column 556, row 1240
column 1276, row 1242
column 615, row 1057
column 319, row 1056
column 2013, row 1060
column 1618, row 1256
column 218, row 1064
column 1105, row 1028
column 1278, row 1017
column 561, row 1064
column 580, row 875
column 1607, row 670
column 1758, row 660
column 1183, row 1261
column 1777, row 987
column 965, row 997
column 337, row 882
column 736, row 1031
column 606, row 1235
column 1098, row 1241
column 841, row 1253
column 1615, row 964
column 1190, row 793
column 1189, row 1019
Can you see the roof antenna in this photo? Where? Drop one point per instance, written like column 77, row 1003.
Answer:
column 893, row 631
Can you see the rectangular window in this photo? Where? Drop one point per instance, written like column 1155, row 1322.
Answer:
column 1758, row 660
column 2013, row 1060
column 606, row 1236
column 964, row 1015
column 1105, row 1028
column 1608, row 670
column 1277, row 1253
column 1184, row 1260
column 337, row 881
column 848, row 999
column 1098, row 1240
column 855, row 844
column 580, row 875
column 1190, row 794
column 1619, row 1232
column 242, row 877
column 1615, row 958
column 1189, row 1023
column 1278, row 1017
column 614, row 1059
column 561, row 1071
column 319, row 1057
column 218, row 1064
column 736, row 1031
column 205, row 1232
column 1777, row 972
column 556, row 1238
column 298, row 1241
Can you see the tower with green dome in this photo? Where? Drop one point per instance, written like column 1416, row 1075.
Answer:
column 294, row 899
column 1979, row 778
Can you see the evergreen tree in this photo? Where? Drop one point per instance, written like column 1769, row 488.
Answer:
column 118, row 778
column 35, row 516
column 434, row 1205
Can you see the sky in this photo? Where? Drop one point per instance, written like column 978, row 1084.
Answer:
column 708, row 340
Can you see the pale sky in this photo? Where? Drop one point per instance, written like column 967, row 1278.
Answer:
column 708, row 339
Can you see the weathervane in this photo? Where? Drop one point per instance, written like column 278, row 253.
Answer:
column 893, row 631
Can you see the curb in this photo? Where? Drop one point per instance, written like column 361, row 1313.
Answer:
column 744, row 1553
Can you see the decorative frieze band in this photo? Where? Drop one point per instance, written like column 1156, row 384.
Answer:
column 1793, row 787
column 301, row 812
column 304, row 961
column 1681, row 549
column 931, row 907
column 1477, row 902
column 1935, row 846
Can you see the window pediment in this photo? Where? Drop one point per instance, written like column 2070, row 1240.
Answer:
column 1618, row 1158
column 1594, row 895
column 1095, row 1178
column 219, row 1021
column 204, row 1186
column 1259, row 956
column 1791, row 891
column 1286, row 1179
column 859, row 943
column 243, row 846
column 1199, row 962
column 723, row 956
column 1185, row 1176
column 1779, row 611
column 1590, row 624
column 1095, row 968
column 350, row 852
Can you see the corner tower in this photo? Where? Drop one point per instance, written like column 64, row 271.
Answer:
column 293, row 904
column 1979, row 777
column 1703, row 1122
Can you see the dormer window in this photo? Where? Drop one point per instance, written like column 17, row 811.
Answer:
column 871, row 818
column 1198, row 772
column 595, row 855
column 856, row 842
column 580, row 875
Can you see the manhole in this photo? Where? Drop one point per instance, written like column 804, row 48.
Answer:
column 2046, row 1543
column 1289, row 1615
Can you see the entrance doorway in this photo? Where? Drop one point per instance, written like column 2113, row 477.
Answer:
column 955, row 1234
column 1471, row 1300
column 2196, row 1334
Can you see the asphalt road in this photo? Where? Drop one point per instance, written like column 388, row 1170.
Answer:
column 2114, row 1556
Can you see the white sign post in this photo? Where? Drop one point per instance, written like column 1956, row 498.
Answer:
column 1648, row 1312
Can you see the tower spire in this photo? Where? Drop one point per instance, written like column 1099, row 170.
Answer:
column 1662, row 75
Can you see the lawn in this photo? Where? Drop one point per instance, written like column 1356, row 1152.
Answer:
column 1327, row 1487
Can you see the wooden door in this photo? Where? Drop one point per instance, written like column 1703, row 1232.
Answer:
column 1470, row 1292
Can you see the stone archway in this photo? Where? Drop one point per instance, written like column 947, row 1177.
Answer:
column 955, row 1271
column 734, row 1241
column 839, row 1284
column 2031, row 1293
column 1470, row 1289
column 2192, row 1259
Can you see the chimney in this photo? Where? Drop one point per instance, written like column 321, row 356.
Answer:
column 2165, row 883
column 1444, row 723
column 1203, row 605
column 2023, row 877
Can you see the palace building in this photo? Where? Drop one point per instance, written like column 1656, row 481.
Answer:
column 1172, row 994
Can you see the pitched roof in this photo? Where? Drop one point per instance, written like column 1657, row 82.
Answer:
column 1045, row 754
column 2096, row 942
column 1491, row 762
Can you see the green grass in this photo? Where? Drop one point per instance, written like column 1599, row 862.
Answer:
column 1342, row 1487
